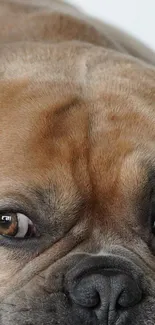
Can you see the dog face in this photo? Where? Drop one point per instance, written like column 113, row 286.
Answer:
column 77, row 187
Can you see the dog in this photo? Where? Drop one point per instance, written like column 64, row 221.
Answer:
column 77, row 169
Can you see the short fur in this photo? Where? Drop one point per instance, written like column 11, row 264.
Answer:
column 77, row 148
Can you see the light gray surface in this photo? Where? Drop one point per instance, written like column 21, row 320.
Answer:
column 135, row 16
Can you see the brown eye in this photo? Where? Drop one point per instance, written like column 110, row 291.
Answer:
column 16, row 225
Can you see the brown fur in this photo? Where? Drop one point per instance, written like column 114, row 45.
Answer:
column 77, row 113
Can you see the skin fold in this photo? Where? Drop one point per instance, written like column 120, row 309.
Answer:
column 77, row 148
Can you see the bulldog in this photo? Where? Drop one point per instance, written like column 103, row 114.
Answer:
column 77, row 170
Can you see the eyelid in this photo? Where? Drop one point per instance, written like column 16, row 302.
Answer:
column 6, row 211
column 21, row 206
column 11, row 204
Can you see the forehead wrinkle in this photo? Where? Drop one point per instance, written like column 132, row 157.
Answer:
column 136, row 181
column 54, row 199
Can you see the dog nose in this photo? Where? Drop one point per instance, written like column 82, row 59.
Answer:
column 108, row 291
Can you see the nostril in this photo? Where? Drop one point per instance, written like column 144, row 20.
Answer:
column 85, row 292
column 129, row 292
column 108, row 290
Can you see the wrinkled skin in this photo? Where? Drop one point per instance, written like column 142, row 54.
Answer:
column 78, row 158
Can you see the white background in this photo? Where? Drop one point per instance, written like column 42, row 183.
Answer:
column 134, row 16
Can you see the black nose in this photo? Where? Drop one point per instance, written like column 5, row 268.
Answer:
column 107, row 290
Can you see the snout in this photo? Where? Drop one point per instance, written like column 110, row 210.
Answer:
column 84, row 290
column 105, row 287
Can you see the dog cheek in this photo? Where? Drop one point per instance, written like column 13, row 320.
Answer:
column 9, row 266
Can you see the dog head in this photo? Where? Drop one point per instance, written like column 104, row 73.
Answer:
column 77, row 174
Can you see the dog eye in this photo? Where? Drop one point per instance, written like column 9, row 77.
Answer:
column 16, row 225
